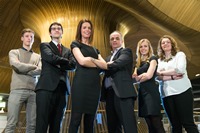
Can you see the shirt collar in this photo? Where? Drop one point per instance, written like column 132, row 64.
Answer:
column 27, row 50
column 115, row 51
column 56, row 43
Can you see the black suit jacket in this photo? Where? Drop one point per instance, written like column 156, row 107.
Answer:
column 54, row 66
column 120, row 72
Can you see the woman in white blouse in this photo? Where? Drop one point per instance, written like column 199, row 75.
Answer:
column 176, row 91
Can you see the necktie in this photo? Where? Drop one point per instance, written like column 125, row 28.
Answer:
column 59, row 48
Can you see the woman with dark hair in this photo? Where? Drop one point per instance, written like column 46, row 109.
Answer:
column 149, row 105
column 176, row 89
column 86, row 83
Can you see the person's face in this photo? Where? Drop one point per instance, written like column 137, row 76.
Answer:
column 27, row 39
column 115, row 40
column 166, row 45
column 144, row 48
column 56, row 31
column 86, row 30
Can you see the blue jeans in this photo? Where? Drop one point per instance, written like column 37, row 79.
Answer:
column 17, row 99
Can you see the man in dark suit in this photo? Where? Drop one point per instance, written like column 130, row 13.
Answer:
column 117, row 88
column 51, row 90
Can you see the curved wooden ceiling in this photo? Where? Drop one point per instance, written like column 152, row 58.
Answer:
column 136, row 19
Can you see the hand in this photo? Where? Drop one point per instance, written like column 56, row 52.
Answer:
column 158, row 73
column 176, row 77
column 179, row 74
column 110, row 62
column 92, row 59
column 138, row 78
column 134, row 75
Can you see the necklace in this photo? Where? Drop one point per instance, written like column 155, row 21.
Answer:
column 168, row 59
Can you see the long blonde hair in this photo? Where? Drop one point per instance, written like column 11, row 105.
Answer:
column 150, row 53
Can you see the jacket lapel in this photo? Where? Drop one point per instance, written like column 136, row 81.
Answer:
column 117, row 54
column 108, row 58
column 54, row 48
column 64, row 50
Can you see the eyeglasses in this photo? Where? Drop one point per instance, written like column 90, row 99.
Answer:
column 54, row 28
column 167, row 42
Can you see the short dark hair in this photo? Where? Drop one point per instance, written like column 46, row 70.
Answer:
column 27, row 30
column 55, row 23
column 78, row 31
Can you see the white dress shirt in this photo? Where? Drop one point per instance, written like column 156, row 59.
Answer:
column 174, row 87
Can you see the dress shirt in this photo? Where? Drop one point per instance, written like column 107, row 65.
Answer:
column 107, row 82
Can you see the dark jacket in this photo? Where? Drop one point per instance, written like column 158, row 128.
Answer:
column 120, row 72
column 54, row 66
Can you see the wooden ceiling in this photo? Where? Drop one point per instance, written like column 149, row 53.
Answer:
column 136, row 19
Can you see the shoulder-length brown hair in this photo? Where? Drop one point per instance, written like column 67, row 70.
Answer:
column 150, row 53
column 174, row 50
column 78, row 31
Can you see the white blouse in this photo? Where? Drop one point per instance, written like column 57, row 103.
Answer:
column 174, row 87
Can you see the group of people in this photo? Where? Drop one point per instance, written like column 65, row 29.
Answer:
column 45, row 97
column 175, row 90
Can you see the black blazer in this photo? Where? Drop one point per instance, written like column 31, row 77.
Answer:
column 54, row 66
column 120, row 72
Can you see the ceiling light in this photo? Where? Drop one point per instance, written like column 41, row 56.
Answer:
column 197, row 75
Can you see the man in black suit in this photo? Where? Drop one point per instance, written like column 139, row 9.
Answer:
column 117, row 88
column 51, row 90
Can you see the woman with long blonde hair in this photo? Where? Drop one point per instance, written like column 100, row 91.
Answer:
column 148, row 95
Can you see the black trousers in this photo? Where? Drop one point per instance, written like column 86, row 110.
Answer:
column 179, row 109
column 120, row 112
column 50, row 108
column 76, row 121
